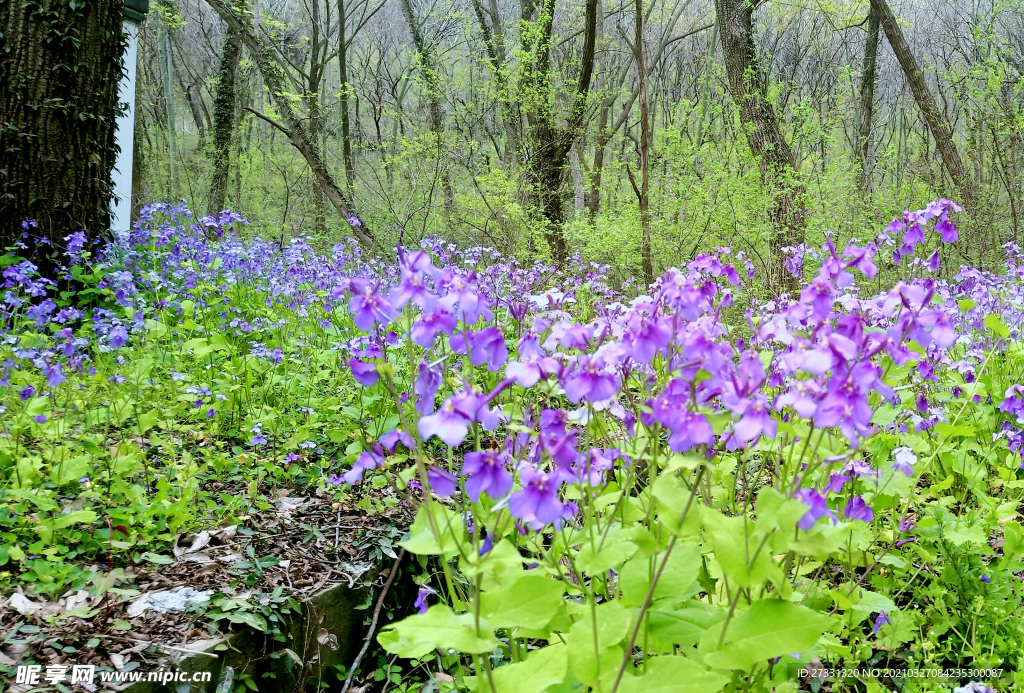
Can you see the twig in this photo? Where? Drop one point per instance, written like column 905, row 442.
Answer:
column 373, row 621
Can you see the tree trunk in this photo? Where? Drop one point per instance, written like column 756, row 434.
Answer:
column 867, row 103
column 57, row 109
column 224, row 118
column 938, row 125
column 167, row 62
column 192, row 96
column 346, row 125
column 494, row 42
column 433, row 87
column 749, row 89
column 291, row 127
column 551, row 143
column 642, row 191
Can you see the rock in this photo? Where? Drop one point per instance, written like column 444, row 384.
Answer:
column 178, row 599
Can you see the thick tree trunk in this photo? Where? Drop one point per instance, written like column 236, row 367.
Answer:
column 937, row 123
column 551, row 143
column 867, row 103
column 224, row 118
column 749, row 88
column 292, row 127
column 433, row 86
column 58, row 101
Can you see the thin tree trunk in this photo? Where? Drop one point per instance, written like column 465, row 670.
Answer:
column 749, row 88
column 224, row 118
column 433, row 87
column 57, row 109
column 291, row 126
column 938, row 125
column 867, row 103
column 642, row 191
column 346, row 125
column 172, row 139
column 197, row 113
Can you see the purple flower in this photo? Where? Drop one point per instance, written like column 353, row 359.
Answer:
column 84, row 480
column 450, row 423
column 334, row 480
column 118, row 379
column 817, row 508
column 948, row 231
column 421, row 599
column 211, row 413
column 118, row 337
column 428, row 381
column 364, row 373
column 411, row 286
column 40, row 419
column 532, row 363
column 54, row 376
column 537, row 503
column 366, row 461
column 484, row 347
column 934, row 261
column 857, row 509
column 755, row 419
column 442, row 482
column 258, row 439
column 426, row 326
column 486, row 547
column 986, row 579
column 648, row 338
column 391, row 439
column 368, row 307
column 591, row 381
column 905, row 459
column 485, row 473
column 26, row 393
column 880, row 620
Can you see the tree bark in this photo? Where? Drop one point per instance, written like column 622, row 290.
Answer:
column 433, row 87
column 749, row 89
column 939, row 126
column 167, row 63
column 867, row 103
column 273, row 78
column 224, row 118
column 346, row 124
column 642, row 191
column 60, row 69
column 552, row 143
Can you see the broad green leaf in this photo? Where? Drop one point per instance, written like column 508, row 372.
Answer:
column 83, row 516
column 448, row 525
column 157, row 558
column 685, row 626
column 542, row 668
column 671, row 674
column 530, row 602
column 769, row 628
column 440, row 627
column 672, row 498
column 148, row 420
column 736, row 544
column 901, row 629
column 612, row 552
column 679, row 574
column 995, row 324
column 71, row 470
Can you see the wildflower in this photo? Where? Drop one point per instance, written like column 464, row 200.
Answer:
column 54, row 376
column 881, row 620
column 40, row 419
column 364, row 373
column 986, row 579
column 857, row 509
column 591, row 381
column 817, row 508
column 487, row 545
column 421, row 599
column 537, row 503
column 26, row 393
column 390, row 440
column 442, row 482
column 366, row 461
column 485, row 473
column 118, row 337
column 904, row 461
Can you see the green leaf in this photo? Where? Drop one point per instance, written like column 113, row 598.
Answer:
column 685, row 626
column 422, row 541
column 769, row 628
column 71, row 470
column 439, row 628
column 84, row 516
column 530, row 602
column 542, row 668
column 679, row 574
column 995, row 324
column 148, row 420
column 157, row 558
column 672, row 498
column 735, row 542
column 670, row 674
column 611, row 553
